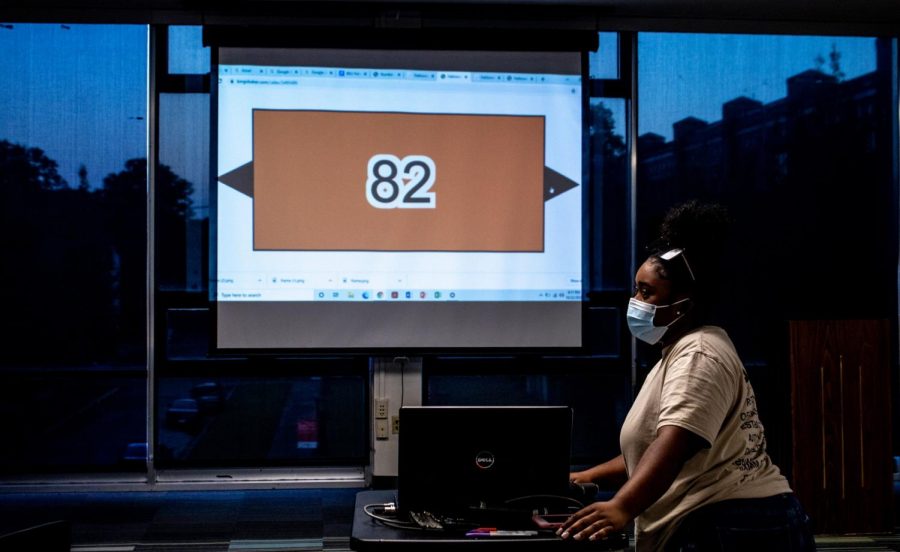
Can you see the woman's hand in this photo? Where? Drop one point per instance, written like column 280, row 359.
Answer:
column 609, row 474
column 596, row 521
column 655, row 472
column 579, row 477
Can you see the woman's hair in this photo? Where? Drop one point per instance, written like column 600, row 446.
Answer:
column 699, row 231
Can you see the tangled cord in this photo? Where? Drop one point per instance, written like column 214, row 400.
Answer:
column 393, row 521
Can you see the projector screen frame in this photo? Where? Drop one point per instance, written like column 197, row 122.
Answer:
column 528, row 40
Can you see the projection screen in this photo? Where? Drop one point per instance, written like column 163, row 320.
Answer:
column 372, row 200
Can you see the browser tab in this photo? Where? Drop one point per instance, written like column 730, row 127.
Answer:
column 454, row 76
column 421, row 75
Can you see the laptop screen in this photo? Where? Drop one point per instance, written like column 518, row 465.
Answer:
column 461, row 460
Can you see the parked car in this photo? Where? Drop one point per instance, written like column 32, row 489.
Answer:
column 209, row 396
column 135, row 456
column 184, row 414
column 308, row 434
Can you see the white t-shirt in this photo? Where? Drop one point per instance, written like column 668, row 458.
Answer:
column 700, row 385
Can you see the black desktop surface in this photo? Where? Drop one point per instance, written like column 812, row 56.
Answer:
column 369, row 534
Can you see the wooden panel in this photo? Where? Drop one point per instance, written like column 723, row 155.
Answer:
column 841, row 421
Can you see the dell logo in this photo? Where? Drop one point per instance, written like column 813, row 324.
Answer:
column 484, row 459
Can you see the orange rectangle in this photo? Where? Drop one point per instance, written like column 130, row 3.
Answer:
column 363, row 181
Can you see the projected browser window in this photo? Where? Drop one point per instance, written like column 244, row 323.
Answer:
column 392, row 184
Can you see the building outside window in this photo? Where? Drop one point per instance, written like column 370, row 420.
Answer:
column 793, row 135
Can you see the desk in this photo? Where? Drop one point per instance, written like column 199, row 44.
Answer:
column 370, row 535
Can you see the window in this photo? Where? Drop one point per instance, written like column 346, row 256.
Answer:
column 235, row 412
column 183, row 191
column 793, row 134
column 604, row 63
column 73, row 180
column 187, row 55
column 609, row 178
column 770, row 127
column 264, row 420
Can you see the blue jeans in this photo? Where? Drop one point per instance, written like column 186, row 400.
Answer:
column 772, row 524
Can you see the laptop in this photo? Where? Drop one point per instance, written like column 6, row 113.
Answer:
column 494, row 465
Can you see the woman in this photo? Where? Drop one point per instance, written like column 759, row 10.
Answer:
column 694, row 471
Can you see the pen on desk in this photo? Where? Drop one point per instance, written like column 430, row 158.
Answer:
column 501, row 533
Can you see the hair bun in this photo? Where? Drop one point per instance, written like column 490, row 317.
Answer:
column 700, row 229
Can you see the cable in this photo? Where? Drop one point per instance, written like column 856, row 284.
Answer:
column 401, row 362
column 558, row 497
column 390, row 522
column 371, row 514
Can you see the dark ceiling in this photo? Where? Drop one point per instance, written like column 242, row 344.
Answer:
column 871, row 17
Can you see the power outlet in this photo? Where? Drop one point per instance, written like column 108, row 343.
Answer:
column 381, row 409
column 381, row 430
column 395, row 424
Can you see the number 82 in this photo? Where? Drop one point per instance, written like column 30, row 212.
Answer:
column 405, row 183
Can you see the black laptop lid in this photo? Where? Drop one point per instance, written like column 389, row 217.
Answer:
column 453, row 459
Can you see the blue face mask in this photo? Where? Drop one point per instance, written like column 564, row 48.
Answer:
column 640, row 317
